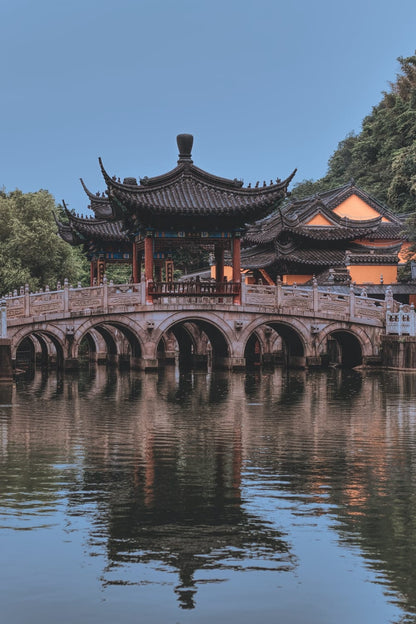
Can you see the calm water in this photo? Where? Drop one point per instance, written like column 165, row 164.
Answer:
column 136, row 498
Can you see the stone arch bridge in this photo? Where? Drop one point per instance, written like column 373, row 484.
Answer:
column 116, row 324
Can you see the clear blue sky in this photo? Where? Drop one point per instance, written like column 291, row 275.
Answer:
column 264, row 86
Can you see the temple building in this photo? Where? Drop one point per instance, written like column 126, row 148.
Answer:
column 338, row 236
column 342, row 235
column 143, row 222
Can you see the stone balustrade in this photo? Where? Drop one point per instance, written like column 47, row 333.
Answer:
column 292, row 300
column 401, row 322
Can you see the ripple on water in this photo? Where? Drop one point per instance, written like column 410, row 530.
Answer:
column 219, row 494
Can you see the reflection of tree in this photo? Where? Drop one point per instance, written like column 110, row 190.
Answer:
column 350, row 448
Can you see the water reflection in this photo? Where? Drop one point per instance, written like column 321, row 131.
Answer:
column 168, row 488
column 202, row 476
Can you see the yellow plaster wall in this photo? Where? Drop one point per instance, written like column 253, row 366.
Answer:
column 365, row 274
column 228, row 272
column 355, row 208
column 319, row 219
column 298, row 279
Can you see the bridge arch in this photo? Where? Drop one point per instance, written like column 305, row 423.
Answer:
column 91, row 339
column 107, row 328
column 52, row 334
column 27, row 352
column 294, row 335
column 187, row 339
column 192, row 331
column 345, row 345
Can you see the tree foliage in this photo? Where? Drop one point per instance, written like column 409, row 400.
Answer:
column 382, row 157
column 31, row 252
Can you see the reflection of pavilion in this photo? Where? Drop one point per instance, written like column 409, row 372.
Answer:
column 179, row 504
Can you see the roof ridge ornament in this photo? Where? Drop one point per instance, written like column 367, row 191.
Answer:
column 185, row 142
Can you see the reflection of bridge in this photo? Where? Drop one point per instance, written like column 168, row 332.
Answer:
column 118, row 324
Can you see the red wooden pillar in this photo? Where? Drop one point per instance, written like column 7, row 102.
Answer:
column 237, row 266
column 135, row 265
column 219, row 263
column 148, row 263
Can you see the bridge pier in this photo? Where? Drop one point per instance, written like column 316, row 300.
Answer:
column 168, row 359
column 199, row 361
column 71, row 363
column 6, row 369
column 124, row 361
column 148, row 364
column 316, row 361
column 135, row 363
column 296, row 361
column 100, row 357
column 399, row 352
column 229, row 363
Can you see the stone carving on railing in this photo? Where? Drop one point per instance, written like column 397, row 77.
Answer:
column 260, row 294
column 332, row 302
column 123, row 295
column 92, row 297
column 401, row 322
column 15, row 307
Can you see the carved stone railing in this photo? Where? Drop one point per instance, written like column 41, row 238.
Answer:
column 289, row 300
column 401, row 322
column 68, row 300
column 295, row 300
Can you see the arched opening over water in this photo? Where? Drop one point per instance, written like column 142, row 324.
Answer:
column 344, row 349
column 39, row 347
column 113, row 343
column 109, row 341
column 199, row 344
column 185, row 344
column 253, row 351
column 275, row 342
column 88, row 349
column 26, row 353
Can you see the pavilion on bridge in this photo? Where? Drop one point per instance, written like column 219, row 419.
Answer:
column 144, row 222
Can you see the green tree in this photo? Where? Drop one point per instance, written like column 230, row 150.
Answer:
column 30, row 250
column 382, row 157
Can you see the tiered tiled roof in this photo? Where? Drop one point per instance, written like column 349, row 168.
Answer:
column 189, row 195
column 293, row 217
column 185, row 198
column 290, row 237
column 83, row 229
column 99, row 203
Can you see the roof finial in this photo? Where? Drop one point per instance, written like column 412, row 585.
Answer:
column 185, row 142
